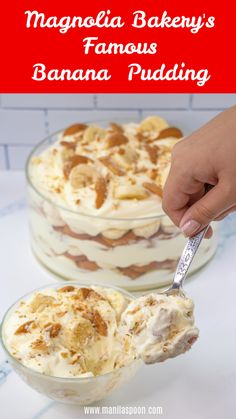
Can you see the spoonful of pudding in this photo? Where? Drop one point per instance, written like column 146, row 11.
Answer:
column 161, row 325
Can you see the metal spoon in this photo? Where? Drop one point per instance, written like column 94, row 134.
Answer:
column 185, row 261
column 186, row 258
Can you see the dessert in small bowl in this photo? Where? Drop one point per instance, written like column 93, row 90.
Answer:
column 95, row 193
column 64, row 342
column 77, row 344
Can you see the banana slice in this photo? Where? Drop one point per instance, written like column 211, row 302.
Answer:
column 148, row 230
column 168, row 226
column 118, row 302
column 114, row 233
column 164, row 175
column 167, row 143
column 93, row 132
column 62, row 155
column 152, row 123
column 130, row 192
column 83, row 175
column 126, row 158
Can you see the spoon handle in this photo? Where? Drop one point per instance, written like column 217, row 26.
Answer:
column 188, row 253
column 187, row 256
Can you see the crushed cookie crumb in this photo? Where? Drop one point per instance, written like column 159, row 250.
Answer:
column 100, row 324
column 24, row 328
column 112, row 166
column 152, row 152
column 67, row 288
column 153, row 188
column 116, row 139
column 40, row 344
column 74, row 129
column 53, row 329
column 101, row 192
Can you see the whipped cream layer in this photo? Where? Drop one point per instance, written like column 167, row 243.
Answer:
column 117, row 172
column 161, row 326
column 69, row 332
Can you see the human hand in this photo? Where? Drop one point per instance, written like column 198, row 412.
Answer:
column 206, row 156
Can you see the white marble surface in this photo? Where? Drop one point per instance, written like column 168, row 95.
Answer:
column 200, row 384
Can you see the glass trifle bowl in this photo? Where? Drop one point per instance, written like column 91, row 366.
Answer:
column 95, row 193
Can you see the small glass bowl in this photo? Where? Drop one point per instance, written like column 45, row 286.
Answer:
column 135, row 253
column 81, row 390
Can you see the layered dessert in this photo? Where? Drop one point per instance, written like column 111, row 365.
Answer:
column 95, row 198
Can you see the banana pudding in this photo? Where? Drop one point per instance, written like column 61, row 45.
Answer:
column 95, row 196
column 76, row 331
column 161, row 326
column 77, row 344
column 69, row 332
column 64, row 342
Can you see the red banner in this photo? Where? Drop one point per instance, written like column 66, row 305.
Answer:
column 117, row 46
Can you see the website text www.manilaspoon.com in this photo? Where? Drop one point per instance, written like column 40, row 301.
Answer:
column 123, row 410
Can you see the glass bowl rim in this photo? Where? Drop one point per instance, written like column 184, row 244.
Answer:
column 69, row 210
column 53, row 377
